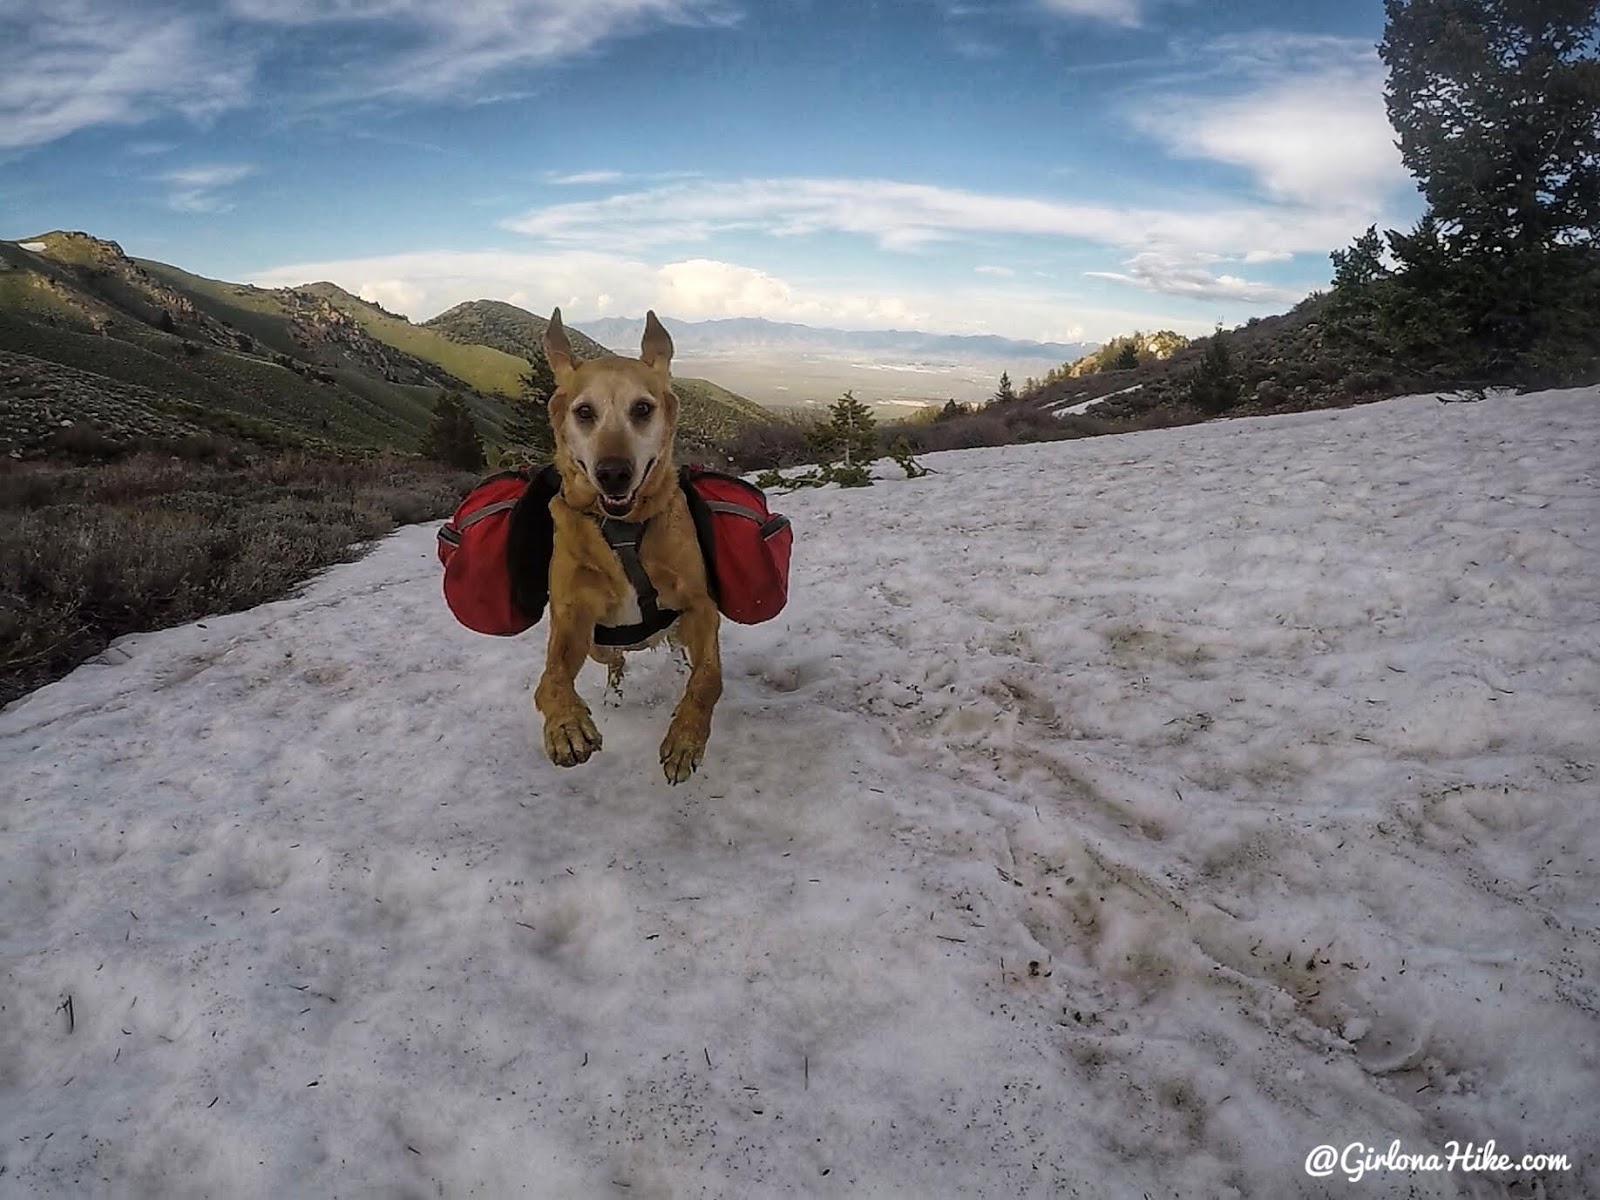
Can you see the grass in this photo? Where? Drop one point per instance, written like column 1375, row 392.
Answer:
column 249, row 310
column 483, row 367
column 90, row 553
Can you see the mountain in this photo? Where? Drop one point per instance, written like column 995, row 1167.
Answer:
column 783, row 364
column 1283, row 363
column 746, row 333
column 284, row 366
column 311, row 365
column 708, row 413
column 509, row 328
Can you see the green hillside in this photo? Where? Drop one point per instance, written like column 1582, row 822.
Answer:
column 506, row 327
column 482, row 367
column 708, row 413
column 287, row 364
column 310, row 364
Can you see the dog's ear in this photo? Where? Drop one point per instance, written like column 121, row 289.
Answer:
column 558, row 351
column 656, row 348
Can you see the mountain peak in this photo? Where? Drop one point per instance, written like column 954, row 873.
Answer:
column 73, row 245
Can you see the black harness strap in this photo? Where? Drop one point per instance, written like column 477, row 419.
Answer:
column 624, row 537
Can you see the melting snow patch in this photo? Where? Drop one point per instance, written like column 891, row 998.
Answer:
column 1117, row 816
column 1073, row 410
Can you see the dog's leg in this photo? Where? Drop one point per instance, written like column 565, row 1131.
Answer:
column 613, row 661
column 570, row 736
column 686, row 738
column 680, row 655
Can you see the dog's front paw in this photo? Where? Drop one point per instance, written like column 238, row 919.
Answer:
column 684, row 747
column 572, row 739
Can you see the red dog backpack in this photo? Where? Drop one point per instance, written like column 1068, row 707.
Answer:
column 746, row 545
column 496, row 549
column 496, row 552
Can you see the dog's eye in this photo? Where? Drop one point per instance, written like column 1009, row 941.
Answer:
column 584, row 412
column 642, row 409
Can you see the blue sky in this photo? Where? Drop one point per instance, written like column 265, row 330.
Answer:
column 1051, row 169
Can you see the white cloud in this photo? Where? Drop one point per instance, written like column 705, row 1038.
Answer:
column 396, row 295
column 1176, row 275
column 198, row 189
column 1003, row 272
column 456, row 45
column 588, row 285
column 75, row 64
column 213, row 175
column 582, row 177
column 79, row 63
column 1118, row 12
column 1306, row 118
column 910, row 216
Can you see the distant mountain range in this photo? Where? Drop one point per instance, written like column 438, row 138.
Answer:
column 792, row 366
column 740, row 334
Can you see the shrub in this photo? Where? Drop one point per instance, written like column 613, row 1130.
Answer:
column 758, row 447
column 89, row 553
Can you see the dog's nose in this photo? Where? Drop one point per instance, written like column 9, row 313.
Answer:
column 614, row 475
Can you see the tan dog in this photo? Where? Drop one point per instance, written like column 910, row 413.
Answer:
column 614, row 420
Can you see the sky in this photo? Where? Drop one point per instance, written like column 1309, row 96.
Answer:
column 1057, row 170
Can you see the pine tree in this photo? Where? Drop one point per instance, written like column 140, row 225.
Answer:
column 452, row 436
column 1213, row 387
column 1006, row 393
column 847, row 443
column 539, row 384
column 529, row 438
column 1497, row 104
column 1127, row 358
column 950, row 411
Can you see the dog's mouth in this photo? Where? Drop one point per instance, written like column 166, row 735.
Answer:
column 621, row 506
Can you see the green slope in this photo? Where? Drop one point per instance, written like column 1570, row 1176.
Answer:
column 708, row 413
column 313, row 360
column 507, row 328
column 289, row 360
column 482, row 367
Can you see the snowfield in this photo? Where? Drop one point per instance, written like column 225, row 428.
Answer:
column 1083, row 406
column 1107, row 818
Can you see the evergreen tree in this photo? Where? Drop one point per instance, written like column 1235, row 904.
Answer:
column 452, row 436
column 1497, row 105
column 1213, row 386
column 529, row 438
column 849, row 437
column 1007, row 393
column 950, row 411
column 1127, row 358
column 539, row 384
column 845, row 447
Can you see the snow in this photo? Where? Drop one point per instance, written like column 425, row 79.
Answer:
column 1077, row 410
column 1107, row 817
column 36, row 247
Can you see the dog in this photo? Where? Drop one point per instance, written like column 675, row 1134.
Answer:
column 614, row 420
